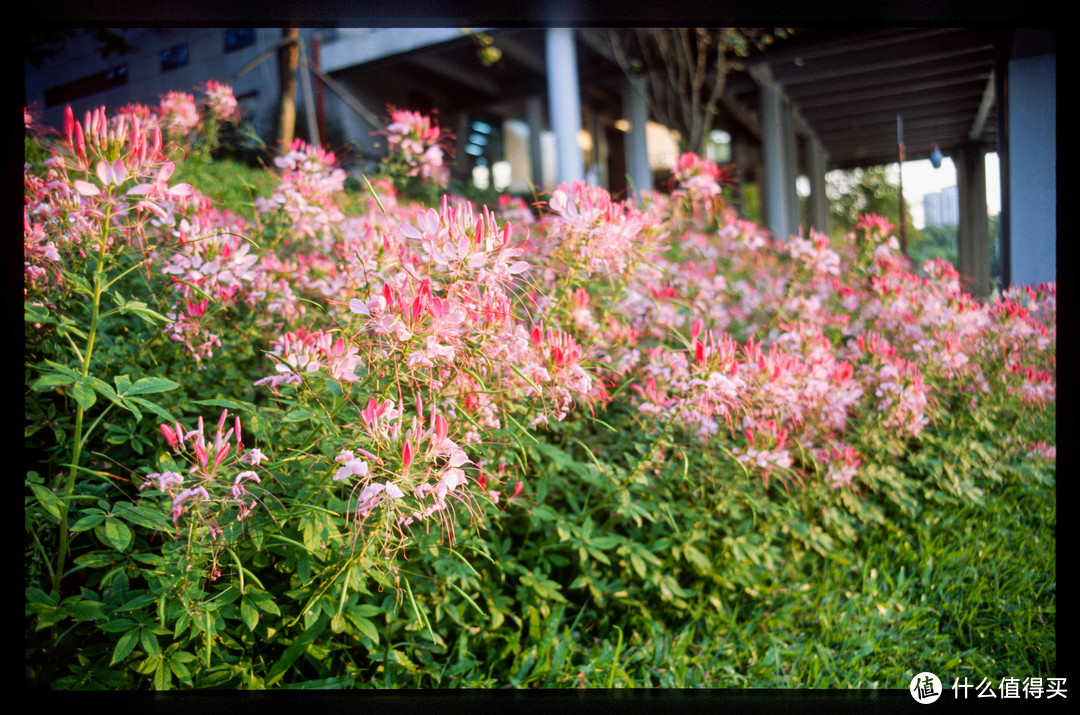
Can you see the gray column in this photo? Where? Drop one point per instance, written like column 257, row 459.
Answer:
column 1032, row 112
column 564, row 102
column 597, row 172
column 973, row 233
column 773, row 189
column 819, row 205
column 534, row 115
column 636, row 110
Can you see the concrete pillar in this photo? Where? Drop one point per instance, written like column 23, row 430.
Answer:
column 564, row 102
column 597, row 171
column 1032, row 127
column 636, row 111
column 819, row 205
column 973, row 233
column 773, row 188
column 534, row 116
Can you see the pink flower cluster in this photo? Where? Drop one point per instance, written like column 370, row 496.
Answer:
column 416, row 142
column 698, row 180
column 309, row 180
column 410, row 470
column 794, row 356
column 179, row 115
column 220, row 102
column 218, row 479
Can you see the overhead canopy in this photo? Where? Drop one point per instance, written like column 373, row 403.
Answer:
column 847, row 85
column 850, row 85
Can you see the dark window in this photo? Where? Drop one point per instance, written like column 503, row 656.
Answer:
column 239, row 38
column 77, row 89
column 174, row 57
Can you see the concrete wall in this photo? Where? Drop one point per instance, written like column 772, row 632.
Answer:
column 146, row 81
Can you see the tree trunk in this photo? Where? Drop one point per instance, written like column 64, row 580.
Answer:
column 288, row 63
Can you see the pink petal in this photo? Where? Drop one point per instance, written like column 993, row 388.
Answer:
column 85, row 188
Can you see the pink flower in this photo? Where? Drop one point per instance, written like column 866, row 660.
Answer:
column 352, row 467
column 253, row 457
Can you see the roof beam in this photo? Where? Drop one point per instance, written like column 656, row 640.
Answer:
column 857, row 64
column 442, row 67
column 899, row 79
column 984, row 109
column 896, row 104
column 813, row 101
column 780, row 55
column 522, row 54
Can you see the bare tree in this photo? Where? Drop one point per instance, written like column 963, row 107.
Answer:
column 288, row 64
column 686, row 69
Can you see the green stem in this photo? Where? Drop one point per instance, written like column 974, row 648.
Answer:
column 99, row 270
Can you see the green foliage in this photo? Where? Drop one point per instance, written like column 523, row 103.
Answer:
column 855, row 192
column 933, row 242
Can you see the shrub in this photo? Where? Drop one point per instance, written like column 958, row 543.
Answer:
column 342, row 439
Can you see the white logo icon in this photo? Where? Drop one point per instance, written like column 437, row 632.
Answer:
column 925, row 688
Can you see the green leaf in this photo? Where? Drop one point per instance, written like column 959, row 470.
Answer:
column 264, row 601
column 403, row 661
column 104, row 388
column 150, row 385
column 62, row 369
column 47, row 499
column 228, row 404
column 117, row 626
column 152, row 407
column 249, row 614
column 49, row 381
column 296, row 649
column 367, row 610
column 124, row 646
column 697, row 558
column 88, row 522
column 33, row 313
column 261, row 426
column 162, row 677
column 139, row 308
column 114, row 533
column 365, row 626
column 147, row 666
column 123, row 383
column 149, row 642
column 180, row 670
column 83, row 395
column 140, row 516
column 96, row 559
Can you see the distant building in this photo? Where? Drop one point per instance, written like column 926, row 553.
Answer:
column 942, row 208
column 162, row 60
